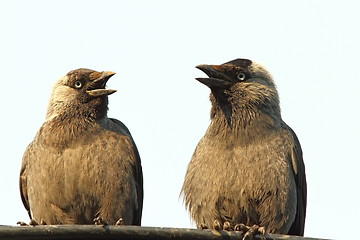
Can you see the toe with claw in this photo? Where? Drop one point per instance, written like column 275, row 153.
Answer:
column 250, row 232
column 217, row 225
column 227, row 226
column 119, row 222
column 100, row 221
column 42, row 222
column 32, row 223
column 21, row 223
column 203, row 226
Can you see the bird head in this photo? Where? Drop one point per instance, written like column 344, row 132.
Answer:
column 241, row 80
column 240, row 86
column 80, row 90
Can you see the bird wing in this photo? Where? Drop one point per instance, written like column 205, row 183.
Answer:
column 23, row 180
column 119, row 127
column 297, row 228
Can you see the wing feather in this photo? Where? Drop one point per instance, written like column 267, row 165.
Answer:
column 297, row 228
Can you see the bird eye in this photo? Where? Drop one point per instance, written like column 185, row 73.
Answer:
column 78, row 84
column 241, row 76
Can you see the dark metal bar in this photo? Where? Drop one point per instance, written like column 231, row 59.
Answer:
column 95, row 232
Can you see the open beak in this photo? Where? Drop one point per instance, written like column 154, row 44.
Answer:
column 216, row 77
column 97, row 87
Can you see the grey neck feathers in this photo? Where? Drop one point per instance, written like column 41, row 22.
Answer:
column 71, row 126
column 246, row 121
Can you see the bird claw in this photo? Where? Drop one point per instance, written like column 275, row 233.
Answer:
column 32, row 223
column 203, row 226
column 250, row 232
column 42, row 222
column 217, row 225
column 100, row 221
column 21, row 223
column 227, row 226
column 241, row 227
column 119, row 222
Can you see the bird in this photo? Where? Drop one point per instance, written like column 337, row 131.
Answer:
column 82, row 167
column 247, row 172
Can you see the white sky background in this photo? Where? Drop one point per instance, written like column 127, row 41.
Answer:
column 310, row 47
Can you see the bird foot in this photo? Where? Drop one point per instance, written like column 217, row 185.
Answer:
column 217, row 225
column 119, row 222
column 100, row 221
column 21, row 223
column 227, row 226
column 42, row 222
column 250, row 232
column 32, row 223
column 203, row 226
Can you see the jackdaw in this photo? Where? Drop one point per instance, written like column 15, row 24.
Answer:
column 81, row 164
column 247, row 172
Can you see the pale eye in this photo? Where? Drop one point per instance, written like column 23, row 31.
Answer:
column 78, row 84
column 241, row 76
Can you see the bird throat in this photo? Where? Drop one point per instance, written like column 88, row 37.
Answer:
column 222, row 102
column 239, row 119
